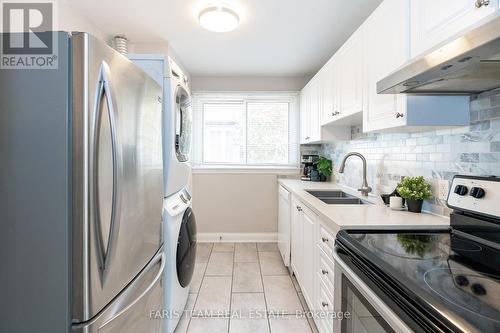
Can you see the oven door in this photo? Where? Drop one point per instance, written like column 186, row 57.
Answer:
column 363, row 311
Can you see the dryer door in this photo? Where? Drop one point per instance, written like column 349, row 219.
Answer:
column 186, row 248
column 183, row 124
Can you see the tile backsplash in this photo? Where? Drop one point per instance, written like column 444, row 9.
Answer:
column 435, row 154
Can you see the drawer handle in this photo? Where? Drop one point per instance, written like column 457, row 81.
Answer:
column 324, row 239
column 299, row 208
column 481, row 3
column 324, row 304
column 324, row 272
column 399, row 115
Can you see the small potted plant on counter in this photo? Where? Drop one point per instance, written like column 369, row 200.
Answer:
column 324, row 167
column 415, row 190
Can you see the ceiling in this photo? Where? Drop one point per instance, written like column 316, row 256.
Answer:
column 275, row 37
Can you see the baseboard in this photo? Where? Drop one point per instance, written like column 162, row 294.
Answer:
column 258, row 237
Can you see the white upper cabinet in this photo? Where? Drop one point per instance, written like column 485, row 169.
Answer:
column 330, row 95
column 350, row 76
column 432, row 22
column 310, row 111
column 388, row 44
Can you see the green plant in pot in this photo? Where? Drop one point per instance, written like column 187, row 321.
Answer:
column 324, row 167
column 415, row 190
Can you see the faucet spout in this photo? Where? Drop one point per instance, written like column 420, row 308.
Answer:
column 365, row 188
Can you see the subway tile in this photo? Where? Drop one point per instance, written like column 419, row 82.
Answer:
column 495, row 146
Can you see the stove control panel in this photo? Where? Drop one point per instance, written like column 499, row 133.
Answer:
column 475, row 194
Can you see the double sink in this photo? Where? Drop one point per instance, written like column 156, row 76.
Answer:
column 337, row 197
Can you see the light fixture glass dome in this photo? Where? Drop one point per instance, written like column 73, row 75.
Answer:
column 219, row 19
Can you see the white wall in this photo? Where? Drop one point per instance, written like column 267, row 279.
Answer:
column 70, row 19
column 245, row 83
column 236, row 206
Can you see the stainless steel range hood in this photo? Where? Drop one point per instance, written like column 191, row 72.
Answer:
column 467, row 65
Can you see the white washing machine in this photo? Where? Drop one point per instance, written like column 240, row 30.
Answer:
column 179, row 229
column 177, row 118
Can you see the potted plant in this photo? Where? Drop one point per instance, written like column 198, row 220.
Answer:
column 324, row 167
column 415, row 190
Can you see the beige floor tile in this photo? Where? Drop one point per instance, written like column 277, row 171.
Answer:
column 281, row 295
column 245, row 252
column 208, row 325
column 289, row 324
column 220, row 264
column 214, row 296
column 199, row 272
column 203, row 251
column 237, row 325
column 267, row 247
column 247, row 278
column 223, row 247
column 272, row 264
column 248, row 305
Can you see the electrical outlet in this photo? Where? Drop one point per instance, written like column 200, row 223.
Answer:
column 443, row 189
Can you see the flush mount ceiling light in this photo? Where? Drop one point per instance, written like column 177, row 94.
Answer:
column 219, row 18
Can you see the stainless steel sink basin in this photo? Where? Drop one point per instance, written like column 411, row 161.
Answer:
column 329, row 194
column 337, row 197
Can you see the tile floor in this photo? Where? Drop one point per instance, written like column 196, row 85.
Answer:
column 243, row 287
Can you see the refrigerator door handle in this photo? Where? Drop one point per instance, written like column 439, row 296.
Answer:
column 160, row 257
column 105, row 92
column 118, row 309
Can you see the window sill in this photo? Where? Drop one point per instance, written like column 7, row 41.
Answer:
column 210, row 169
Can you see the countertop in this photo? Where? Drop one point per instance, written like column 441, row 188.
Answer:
column 375, row 216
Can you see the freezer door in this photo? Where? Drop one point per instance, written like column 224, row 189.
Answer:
column 117, row 164
column 139, row 308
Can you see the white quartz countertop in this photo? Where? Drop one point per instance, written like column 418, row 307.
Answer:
column 375, row 216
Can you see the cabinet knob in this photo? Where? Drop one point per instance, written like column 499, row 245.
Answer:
column 481, row 3
column 307, row 137
column 324, row 272
column 324, row 239
column 299, row 208
column 399, row 115
column 335, row 113
column 324, row 304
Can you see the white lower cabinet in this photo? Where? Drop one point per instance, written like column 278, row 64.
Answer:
column 309, row 222
column 284, row 226
column 304, row 222
column 296, row 261
column 312, row 262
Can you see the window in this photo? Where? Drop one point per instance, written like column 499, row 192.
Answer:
column 246, row 130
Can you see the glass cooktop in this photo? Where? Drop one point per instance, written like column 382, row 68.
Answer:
column 453, row 275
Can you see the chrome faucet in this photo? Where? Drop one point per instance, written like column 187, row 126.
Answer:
column 365, row 189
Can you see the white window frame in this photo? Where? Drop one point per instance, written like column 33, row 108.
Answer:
column 201, row 98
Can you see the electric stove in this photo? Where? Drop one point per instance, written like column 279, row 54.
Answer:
column 438, row 281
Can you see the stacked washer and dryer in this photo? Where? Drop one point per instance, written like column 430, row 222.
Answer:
column 179, row 224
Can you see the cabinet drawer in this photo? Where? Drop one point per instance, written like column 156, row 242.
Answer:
column 326, row 240
column 325, row 304
column 326, row 271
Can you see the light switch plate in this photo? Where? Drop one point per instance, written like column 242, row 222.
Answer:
column 443, row 188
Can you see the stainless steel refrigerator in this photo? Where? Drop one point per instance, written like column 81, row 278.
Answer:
column 81, row 194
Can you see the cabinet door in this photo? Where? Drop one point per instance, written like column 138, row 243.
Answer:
column 387, row 42
column 435, row 21
column 305, row 115
column 350, row 71
column 329, row 93
column 284, row 224
column 309, row 221
column 315, row 110
column 297, row 239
